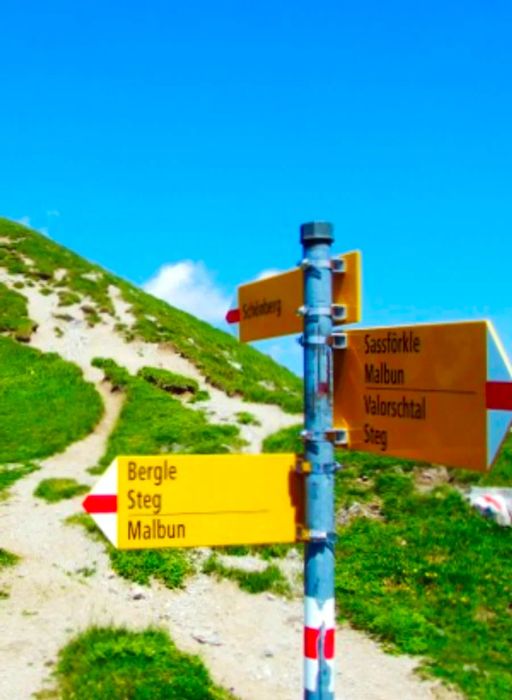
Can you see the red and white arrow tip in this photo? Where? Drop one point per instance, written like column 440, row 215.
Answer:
column 233, row 316
column 498, row 393
column 101, row 503
column 498, row 396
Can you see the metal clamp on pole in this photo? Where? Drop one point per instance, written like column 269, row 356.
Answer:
column 337, row 436
column 337, row 265
column 315, row 264
column 339, row 313
column 328, row 468
column 305, row 535
column 301, row 466
column 339, row 341
column 313, row 340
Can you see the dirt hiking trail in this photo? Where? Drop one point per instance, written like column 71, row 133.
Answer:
column 63, row 582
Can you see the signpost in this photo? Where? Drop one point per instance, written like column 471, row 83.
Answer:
column 273, row 306
column 198, row 500
column 438, row 393
column 319, row 534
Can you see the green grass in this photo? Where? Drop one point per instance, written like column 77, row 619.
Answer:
column 169, row 566
column 48, row 257
column 430, row 576
column 45, row 404
column 154, row 422
column 54, row 490
column 108, row 663
column 236, row 368
column 270, row 579
column 264, row 551
column 14, row 318
column 7, row 559
column 201, row 395
column 246, row 418
column 68, row 298
column 434, row 579
column 169, row 381
column 285, row 440
column 501, row 473
column 9, row 473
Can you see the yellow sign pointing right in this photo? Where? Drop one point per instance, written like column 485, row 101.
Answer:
column 437, row 393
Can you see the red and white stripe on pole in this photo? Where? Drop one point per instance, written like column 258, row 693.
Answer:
column 319, row 632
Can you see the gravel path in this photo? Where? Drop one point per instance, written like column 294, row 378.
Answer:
column 252, row 644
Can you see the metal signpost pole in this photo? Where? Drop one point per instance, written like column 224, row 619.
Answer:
column 319, row 625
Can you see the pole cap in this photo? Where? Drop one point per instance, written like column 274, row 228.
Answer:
column 316, row 232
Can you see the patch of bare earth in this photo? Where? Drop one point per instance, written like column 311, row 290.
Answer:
column 428, row 478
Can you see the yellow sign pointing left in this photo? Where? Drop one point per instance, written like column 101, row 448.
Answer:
column 271, row 307
column 198, row 500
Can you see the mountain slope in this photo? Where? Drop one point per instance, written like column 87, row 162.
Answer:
column 89, row 366
column 44, row 403
column 34, row 261
column 167, row 382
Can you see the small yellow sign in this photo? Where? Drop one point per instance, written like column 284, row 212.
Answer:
column 270, row 307
column 207, row 500
column 416, row 392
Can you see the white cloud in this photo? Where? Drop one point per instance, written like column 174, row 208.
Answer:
column 190, row 286
column 53, row 213
column 267, row 273
column 26, row 221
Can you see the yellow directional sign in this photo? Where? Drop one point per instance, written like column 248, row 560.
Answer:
column 437, row 393
column 270, row 307
column 198, row 500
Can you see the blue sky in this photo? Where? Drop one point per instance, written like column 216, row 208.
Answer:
column 150, row 134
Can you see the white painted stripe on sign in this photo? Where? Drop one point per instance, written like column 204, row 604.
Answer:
column 107, row 484
column 107, row 522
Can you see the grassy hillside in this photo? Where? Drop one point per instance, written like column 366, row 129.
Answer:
column 14, row 318
column 416, row 566
column 231, row 366
column 420, row 569
column 45, row 404
column 153, row 421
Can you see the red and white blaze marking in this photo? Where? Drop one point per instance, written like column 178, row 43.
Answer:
column 495, row 506
column 319, row 631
